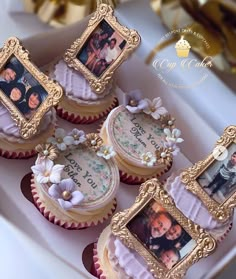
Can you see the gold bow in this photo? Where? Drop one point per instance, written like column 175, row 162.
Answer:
column 58, row 13
column 215, row 20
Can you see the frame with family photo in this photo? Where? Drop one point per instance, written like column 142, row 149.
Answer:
column 167, row 240
column 102, row 48
column 213, row 180
column 24, row 90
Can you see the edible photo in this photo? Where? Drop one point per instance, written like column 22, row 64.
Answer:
column 161, row 234
column 219, row 179
column 101, row 49
column 21, row 88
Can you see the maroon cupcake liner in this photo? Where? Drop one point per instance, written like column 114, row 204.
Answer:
column 17, row 155
column 135, row 180
column 51, row 217
column 77, row 119
column 97, row 269
column 221, row 238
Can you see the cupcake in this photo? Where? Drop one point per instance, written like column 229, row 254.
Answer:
column 195, row 210
column 12, row 145
column 182, row 47
column 112, row 259
column 75, row 180
column 143, row 136
column 151, row 239
column 80, row 105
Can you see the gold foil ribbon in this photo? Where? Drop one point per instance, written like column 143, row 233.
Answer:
column 63, row 12
column 215, row 20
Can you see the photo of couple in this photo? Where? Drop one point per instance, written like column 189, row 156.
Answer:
column 101, row 49
column 161, row 234
column 219, row 180
column 21, row 88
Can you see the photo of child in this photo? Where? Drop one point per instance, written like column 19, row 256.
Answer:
column 21, row 88
column 219, row 180
column 160, row 233
column 101, row 49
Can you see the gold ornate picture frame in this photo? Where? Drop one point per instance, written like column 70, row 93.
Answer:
column 167, row 240
column 101, row 49
column 24, row 90
column 213, row 180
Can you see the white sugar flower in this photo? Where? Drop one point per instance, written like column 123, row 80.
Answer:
column 61, row 140
column 173, row 135
column 148, row 159
column 78, row 136
column 106, row 152
column 155, row 108
column 171, row 145
column 46, row 172
column 134, row 102
column 66, row 194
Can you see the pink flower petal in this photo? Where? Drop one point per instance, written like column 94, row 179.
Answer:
column 67, row 185
column 55, row 191
column 42, row 179
column 157, row 102
column 48, row 164
column 77, row 197
column 162, row 111
column 68, row 140
column 55, row 175
column 60, row 133
column 133, row 109
column 65, row 204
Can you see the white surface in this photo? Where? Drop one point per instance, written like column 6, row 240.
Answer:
column 199, row 139
column 212, row 99
column 24, row 258
column 21, row 25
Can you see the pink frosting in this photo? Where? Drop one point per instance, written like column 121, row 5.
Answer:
column 189, row 204
column 8, row 126
column 75, row 85
column 127, row 262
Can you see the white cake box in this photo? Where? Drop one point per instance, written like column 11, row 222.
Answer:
column 69, row 245
column 211, row 99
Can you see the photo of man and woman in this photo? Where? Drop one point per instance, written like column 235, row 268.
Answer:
column 161, row 234
column 101, row 49
column 21, row 88
column 219, row 180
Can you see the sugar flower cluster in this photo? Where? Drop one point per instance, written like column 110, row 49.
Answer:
column 48, row 173
column 136, row 104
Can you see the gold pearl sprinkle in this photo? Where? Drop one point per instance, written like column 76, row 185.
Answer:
column 146, row 158
column 133, row 103
column 59, row 140
column 66, row 195
column 106, row 152
column 153, row 109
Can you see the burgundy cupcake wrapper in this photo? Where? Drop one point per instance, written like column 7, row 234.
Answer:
column 219, row 240
column 66, row 225
column 77, row 119
column 98, row 272
column 17, row 155
column 135, row 180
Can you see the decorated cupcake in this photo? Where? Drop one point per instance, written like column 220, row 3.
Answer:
column 195, row 210
column 151, row 239
column 75, row 180
column 182, row 47
column 12, row 145
column 27, row 97
column 112, row 259
column 143, row 136
column 80, row 104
